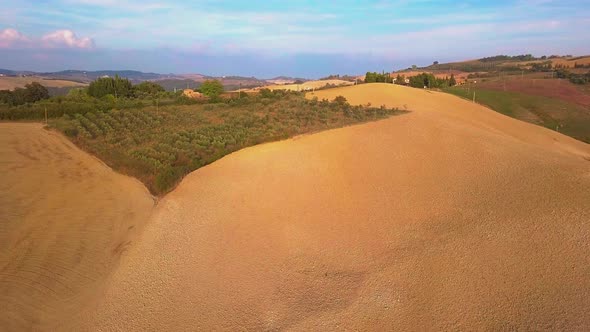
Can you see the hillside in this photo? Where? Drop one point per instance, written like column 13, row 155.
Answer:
column 305, row 86
column 81, row 77
column 9, row 83
column 503, row 66
column 66, row 219
column 451, row 217
column 556, row 104
column 508, row 63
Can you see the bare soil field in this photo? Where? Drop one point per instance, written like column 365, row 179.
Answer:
column 554, row 88
column 65, row 219
column 9, row 83
column 451, row 217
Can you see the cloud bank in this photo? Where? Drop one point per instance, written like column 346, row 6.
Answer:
column 14, row 39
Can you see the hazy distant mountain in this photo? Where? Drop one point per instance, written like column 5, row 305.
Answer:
column 285, row 79
column 88, row 76
column 168, row 81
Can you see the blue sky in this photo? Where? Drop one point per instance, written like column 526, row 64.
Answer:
column 269, row 38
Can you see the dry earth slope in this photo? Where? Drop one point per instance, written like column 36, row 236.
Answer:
column 65, row 218
column 449, row 217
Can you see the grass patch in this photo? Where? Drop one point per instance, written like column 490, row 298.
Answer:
column 556, row 114
column 161, row 145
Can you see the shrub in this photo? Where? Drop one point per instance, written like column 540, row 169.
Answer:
column 340, row 100
column 212, row 89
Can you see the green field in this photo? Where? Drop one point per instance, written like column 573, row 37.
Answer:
column 159, row 145
column 568, row 118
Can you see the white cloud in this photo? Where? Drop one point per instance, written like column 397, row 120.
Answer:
column 66, row 38
column 11, row 38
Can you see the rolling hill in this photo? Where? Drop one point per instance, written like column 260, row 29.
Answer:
column 450, row 217
column 9, row 82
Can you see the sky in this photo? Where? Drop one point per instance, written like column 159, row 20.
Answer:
column 269, row 38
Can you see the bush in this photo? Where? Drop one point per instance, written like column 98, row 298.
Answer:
column 340, row 100
column 169, row 178
column 212, row 89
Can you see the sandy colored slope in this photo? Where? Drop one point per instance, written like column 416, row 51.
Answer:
column 450, row 217
column 9, row 83
column 65, row 219
column 309, row 85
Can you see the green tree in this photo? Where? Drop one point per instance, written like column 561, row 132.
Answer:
column 32, row 92
column 370, row 77
column 373, row 77
column 6, row 97
column 36, row 92
column 148, row 88
column 117, row 86
column 426, row 80
column 19, row 96
column 211, row 88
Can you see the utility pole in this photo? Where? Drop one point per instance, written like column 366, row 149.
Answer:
column 474, row 96
column 45, row 114
column 240, row 91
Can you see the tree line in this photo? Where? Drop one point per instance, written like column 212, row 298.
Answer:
column 428, row 80
column 374, row 77
column 31, row 93
column 122, row 88
column 573, row 77
column 522, row 57
column 102, row 94
column 419, row 81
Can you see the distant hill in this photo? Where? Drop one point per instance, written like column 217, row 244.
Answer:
column 506, row 63
column 168, row 81
column 83, row 76
column 88, row 76
column 285, row 80
column 55, row 86
column 7, row 72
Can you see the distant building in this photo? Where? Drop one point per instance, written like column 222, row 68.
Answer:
column 192, row 94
